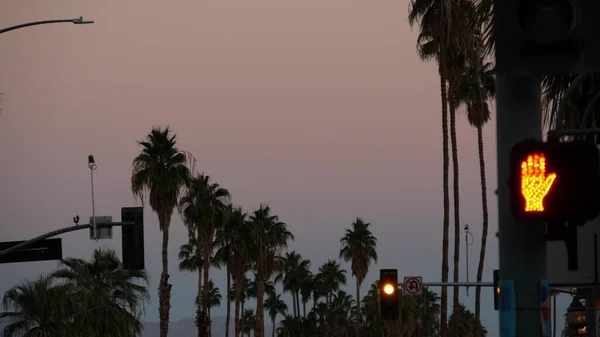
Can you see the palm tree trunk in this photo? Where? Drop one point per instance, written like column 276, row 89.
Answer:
column 273, row 321
column 228, row 317
column 357, row 308
column 199, row 306
column 484, row 234
column 326, row 334
column 298, row 302
column 239, row 287
column 207, row 250
column 304, row 309
column 210, row 325
column 446, row 193
column 260, row 323
column 164, row 288
column 294, row 303
column 456, row 190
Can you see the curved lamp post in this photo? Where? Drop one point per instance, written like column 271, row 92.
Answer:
column 576, row 317
column 77, row 21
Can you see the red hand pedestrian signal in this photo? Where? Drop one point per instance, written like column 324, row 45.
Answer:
column 535, row 183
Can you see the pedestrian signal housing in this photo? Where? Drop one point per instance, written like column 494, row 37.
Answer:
column 554, row 181
column 388, row 294
column 496, row 289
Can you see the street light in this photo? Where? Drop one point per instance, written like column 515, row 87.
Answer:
column 78, row 21
column 576, row 317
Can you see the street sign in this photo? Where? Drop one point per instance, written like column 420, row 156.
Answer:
column 104, row 232
column 413, row 285
column 45, row 250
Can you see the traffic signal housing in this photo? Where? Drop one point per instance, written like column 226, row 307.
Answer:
column 546, row 36
column 554, row 181
column 496, row 289
column 388, row 294
column 133, row 238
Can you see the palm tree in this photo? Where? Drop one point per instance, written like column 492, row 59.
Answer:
column 269, row 236
column 342, row 305
column 236, row 233
column 433, row 17
column 190, row 259
column 214, row 300
column 161, row 170
column 331, row 276
column 307, row 286
column 249, row 322
column 294, row 269
column 467, row 325
column 223, row 257
column 112, row 299
column 275, row 305
column 203, row 208
column 475, row 90
column 360, row 247
column 37, row 308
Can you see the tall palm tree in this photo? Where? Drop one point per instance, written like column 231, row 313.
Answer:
column 434, row 18
column 475, row 90
column 275, row 306
column 360, row 247
column 223, row 257
column 342, row 304
column 467, row 324
column 331, row 276
column 190, row 259
column 269, row 236
column 112, row 297
column 238, row 235
column 37, row 308
column 294, row 269
column 203, row 208
column 161, row 170
column 307, row 287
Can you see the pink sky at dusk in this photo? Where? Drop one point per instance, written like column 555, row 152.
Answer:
column 321, row 108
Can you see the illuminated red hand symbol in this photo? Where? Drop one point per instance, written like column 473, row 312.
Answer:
column 535, row 184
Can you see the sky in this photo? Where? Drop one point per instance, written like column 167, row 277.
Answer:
column 320, row 108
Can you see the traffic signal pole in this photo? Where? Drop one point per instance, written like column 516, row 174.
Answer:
column 59, row 232
column 522, row 245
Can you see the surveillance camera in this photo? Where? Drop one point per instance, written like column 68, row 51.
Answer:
column 91, row 159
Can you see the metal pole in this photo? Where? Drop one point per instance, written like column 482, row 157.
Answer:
column 522, row 246
column 78, row 20
column 92, row 165
column 59, row 232
column 590, row 304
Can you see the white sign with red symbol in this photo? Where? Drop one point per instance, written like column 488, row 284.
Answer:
column 413, row 285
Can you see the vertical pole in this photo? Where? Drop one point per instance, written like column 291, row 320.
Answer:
column 467, row 255
column 590, row 304
column 94, row 232
column 522, row 246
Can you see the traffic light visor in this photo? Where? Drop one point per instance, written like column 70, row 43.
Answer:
column 389, row 289
column 546, row 21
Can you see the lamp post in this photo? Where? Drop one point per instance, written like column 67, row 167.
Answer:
column 77, row 21
column 576, row 317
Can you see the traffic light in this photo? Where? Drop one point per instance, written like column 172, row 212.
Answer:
column 546, row 36
column 496, row 289
column 133, row 238
column 554, row 182
column 388, row 294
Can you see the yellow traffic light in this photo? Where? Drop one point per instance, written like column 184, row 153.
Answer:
column 388, row 289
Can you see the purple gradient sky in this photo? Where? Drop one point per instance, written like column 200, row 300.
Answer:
column 321, row 108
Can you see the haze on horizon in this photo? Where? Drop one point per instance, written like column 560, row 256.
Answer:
column 320, row 108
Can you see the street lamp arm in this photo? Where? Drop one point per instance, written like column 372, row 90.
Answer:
column 78, row 20
column 58, row 232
